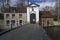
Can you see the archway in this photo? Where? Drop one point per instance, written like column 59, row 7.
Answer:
column 32, row 18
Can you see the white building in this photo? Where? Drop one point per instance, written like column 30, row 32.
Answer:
column 33, row 13
column 13, row 17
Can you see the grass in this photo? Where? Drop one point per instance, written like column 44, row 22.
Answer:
column 53, row 32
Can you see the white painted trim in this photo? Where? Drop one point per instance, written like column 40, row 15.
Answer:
column 36, row 12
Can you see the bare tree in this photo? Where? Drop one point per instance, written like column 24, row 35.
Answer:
column 58, row 8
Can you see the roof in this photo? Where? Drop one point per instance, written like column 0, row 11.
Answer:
column 20, row 9
column 45, row 14
column 17, row 10
column 33, row 5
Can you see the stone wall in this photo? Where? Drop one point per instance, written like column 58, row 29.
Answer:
column 47, row 22
column 1, row 24
column 56, row 23
column 16, row 18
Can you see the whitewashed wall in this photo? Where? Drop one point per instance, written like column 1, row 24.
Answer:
column 36, row 12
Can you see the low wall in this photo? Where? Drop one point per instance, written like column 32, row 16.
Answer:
column 56, row 23
column 1, row 24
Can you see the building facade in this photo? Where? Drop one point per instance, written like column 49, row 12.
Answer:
column 33, row 13
column 46, row 18
column 30, row 15
column 12, row 20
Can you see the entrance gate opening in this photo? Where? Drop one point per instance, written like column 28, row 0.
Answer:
column 33, row 18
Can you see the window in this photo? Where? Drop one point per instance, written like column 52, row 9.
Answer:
column 20, row 15
column 7, row 16
column 13, row 22
column 20, row 21
column 47, row 22
column 13, row 15
column 32, row 9
column 7, row 22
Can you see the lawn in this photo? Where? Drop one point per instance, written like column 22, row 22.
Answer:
column 53, row 32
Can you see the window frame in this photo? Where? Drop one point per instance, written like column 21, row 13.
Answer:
column 20, row 21
column 20, row 15
column 13, row 16
column 7, row 16
column 13, row 21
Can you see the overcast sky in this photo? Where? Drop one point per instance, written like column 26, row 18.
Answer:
column 35, row 0
column 42, row 3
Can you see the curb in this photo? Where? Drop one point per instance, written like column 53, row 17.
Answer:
column 8, row 31
column 1, row 33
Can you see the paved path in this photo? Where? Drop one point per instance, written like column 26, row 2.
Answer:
column 27, row 32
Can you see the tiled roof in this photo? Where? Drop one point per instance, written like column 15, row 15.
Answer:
column 45, row 14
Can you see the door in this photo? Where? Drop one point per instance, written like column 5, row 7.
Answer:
column 33, row 18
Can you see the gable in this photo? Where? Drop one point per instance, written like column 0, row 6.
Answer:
column 33, row 5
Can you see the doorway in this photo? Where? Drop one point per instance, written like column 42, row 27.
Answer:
column 32, row 18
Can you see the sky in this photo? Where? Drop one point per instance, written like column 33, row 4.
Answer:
column 35, row 0
column 42, row 0
column 42, row 3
